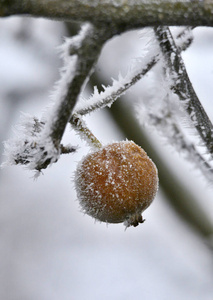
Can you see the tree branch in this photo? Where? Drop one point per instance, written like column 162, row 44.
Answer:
column 182, row 86
column 126, row 14
column 41, row 145
column 85, row 133
column 118, row 88
column 85, row 49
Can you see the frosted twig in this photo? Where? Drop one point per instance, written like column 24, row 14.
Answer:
column 118, row 88
column 112, row 93
column 184, row 38
column 182, row 86
column 67, row 149
column 80, row 127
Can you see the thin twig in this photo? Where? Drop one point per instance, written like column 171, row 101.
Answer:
column 80, row 127
column 184, row 38
column 107, row 97
column 67, row 149
column 182, row 86
column 113, row 92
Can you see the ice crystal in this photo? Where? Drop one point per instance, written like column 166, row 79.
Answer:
column 28, row 148
column 138, row 68
column 33, row 144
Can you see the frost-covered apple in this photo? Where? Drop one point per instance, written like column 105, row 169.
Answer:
column 116, row 183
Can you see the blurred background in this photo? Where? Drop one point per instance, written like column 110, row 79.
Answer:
column 49, row 249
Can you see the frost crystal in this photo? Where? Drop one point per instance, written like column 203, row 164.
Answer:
column 34, row 144
column 67, row 74
column 28, row 147
column 137, row 70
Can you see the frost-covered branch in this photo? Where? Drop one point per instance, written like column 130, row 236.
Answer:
column 80, row 54
column 125, row 14
column 184, row 39
column 139, row 68
column 41, row 144
column 27, row 148
column 118, row 88
column 181, row 85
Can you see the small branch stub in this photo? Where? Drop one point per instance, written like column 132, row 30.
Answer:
column 85, row 133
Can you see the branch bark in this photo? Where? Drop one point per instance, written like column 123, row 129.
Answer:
column 125, row 14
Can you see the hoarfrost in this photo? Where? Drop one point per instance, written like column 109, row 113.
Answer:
column 67, row 73
column 27, row 147
column 33, row 145
column 138, row 68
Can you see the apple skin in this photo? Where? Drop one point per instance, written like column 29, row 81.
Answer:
column 116, row 183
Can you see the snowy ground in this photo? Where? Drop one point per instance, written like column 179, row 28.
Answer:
column 49, row 250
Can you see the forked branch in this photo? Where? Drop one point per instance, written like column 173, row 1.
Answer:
column 136, row 73
column 42, row 139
